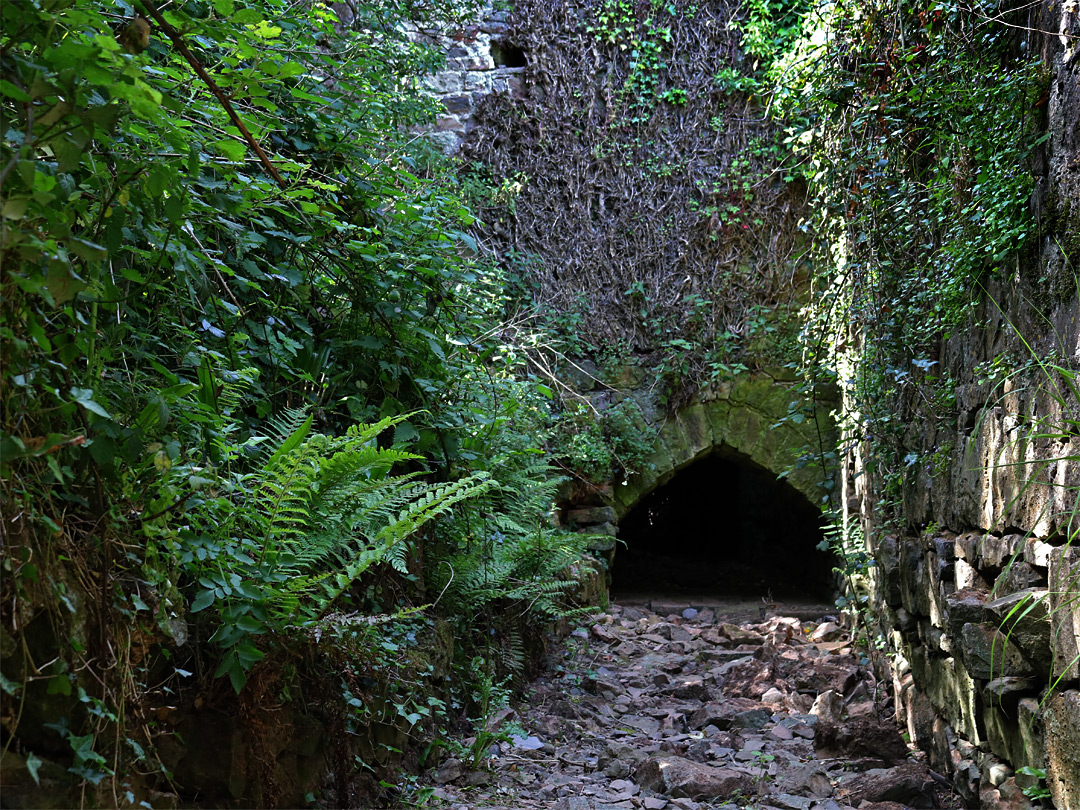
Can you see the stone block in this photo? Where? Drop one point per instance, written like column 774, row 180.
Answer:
column 458, row 105
column 478, row 81
column 591, row 516
column 677, row 445
column 1037, row 553
column 887, row 557
column 952, row 691
column 966, row 547
column 696, row 429
column 449, row 123
column 630, row 491
column 1064, row 572
column 920, row 716
column 745, row 427
column 601, row 541
column 444, row 82
column 963, row 607
column 624, row 375
column 1024, row 618
column 945, row 548
column 651, row 409
column 996, row 552
column 1001, row 717
column 914, row 578
column 942, row 749
column 967, row 576
column 448, row 142
column 987, row 654
column 606, row 529
column 1063, row 750
column 1029, row 712
column 1017, row 576
column 717, row 411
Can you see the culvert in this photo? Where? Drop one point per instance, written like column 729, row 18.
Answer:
column 723, row 527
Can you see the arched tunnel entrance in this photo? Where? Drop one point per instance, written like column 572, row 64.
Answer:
column 723, row 527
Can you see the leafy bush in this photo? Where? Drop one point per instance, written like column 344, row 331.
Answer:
column 245, row 366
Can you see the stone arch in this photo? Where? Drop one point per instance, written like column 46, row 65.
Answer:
column 746, row 415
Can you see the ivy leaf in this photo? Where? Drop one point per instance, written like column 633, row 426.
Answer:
column 33, row 764
column 9, row 686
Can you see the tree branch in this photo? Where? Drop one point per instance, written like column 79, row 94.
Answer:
column 182, row 48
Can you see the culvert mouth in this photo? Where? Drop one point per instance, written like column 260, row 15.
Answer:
column 724, row 528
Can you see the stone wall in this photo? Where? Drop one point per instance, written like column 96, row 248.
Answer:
column 480, row 60
column 748, row 414
column 981, row 608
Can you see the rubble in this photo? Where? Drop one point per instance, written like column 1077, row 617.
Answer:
column 693, row 710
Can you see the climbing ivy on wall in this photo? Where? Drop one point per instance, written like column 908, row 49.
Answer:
column 655, row 213
column 920, row 132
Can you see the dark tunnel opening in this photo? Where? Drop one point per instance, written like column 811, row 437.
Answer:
column 507, row 54
column 723, row 527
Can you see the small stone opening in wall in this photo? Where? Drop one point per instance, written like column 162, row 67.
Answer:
column 506, row 54
column 724, row 527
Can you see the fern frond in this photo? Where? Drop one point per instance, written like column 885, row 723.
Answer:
column 432, row 503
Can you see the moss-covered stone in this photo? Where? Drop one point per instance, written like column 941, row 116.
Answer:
column 1063, row 750
column 696, row 430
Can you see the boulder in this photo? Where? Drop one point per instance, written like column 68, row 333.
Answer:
column 810, row 779
column 909, row 785
column 721, row 714
column 866, row 736
column 750, row 679
column 825, row 675
column 828, row 707
column 678, row 777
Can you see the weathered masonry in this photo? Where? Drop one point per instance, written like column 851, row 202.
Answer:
column 756, row 473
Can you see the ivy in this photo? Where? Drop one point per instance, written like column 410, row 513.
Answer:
column 915, row 128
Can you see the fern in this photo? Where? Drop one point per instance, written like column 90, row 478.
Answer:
column 319, row 511
column 516, row 569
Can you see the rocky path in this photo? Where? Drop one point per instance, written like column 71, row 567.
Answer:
column 703, row 709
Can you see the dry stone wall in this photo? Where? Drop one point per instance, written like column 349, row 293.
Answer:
column 480, row 60
column 981, row 608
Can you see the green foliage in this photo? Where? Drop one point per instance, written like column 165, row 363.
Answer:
column 1037, row 790
column 769, row 28
column 644, row 41
column 915, row 134
column 597, row 444
column 501, row 560
column 292, row 535
column 246, row 371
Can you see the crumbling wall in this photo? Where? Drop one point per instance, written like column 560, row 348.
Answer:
column 981, row 608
